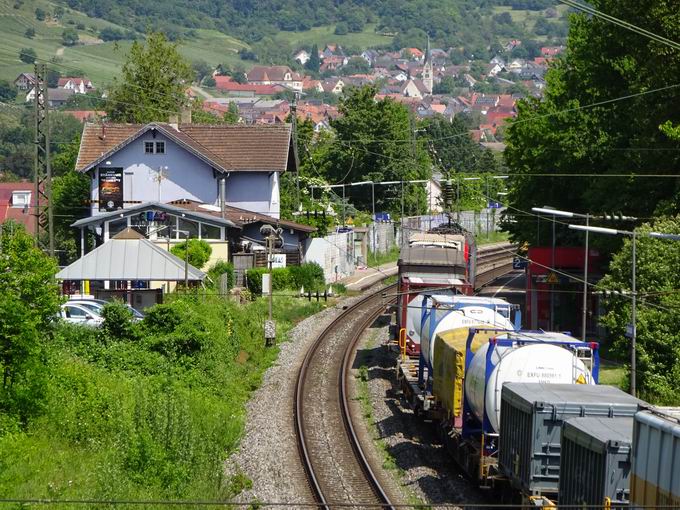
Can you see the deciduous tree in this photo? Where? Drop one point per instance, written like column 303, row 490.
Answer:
column 29, row 302
column 658, row 322
column 152, row 84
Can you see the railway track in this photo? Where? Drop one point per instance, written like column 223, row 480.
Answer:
column 493, row 261
column 337, row 469
column 338, row 472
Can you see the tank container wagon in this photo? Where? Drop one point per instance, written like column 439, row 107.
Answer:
column 444, row 312
column 444, row 262
column 470, row 366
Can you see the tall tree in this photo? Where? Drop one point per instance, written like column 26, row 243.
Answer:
column 376, row 140
column 29, row 301
column 658, row 323
column 314, row 62
column 232, row 116
column 153, row 83
column 572, row 132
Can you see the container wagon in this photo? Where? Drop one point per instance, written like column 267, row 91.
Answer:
column 530, row 431
column 655, row 477
column 446, row 312
column 595, row 462
column 469, row 368
column 432, row 263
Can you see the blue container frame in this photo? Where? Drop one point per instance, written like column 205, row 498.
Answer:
column 471, row 425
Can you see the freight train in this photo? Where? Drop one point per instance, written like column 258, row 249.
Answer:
column 521, row 411
column 442, row 260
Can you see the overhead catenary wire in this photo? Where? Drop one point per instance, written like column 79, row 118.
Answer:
column 621, row 23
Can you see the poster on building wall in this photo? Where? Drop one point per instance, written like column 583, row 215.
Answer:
column 110, row 189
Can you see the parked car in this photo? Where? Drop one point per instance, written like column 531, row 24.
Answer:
column 96, row 305
column 78, row 314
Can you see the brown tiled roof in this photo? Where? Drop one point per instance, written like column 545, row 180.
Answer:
column 229, row 148
column 242, row 217
column 270, row 73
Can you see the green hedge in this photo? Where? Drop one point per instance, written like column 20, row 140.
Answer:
column 308, row 275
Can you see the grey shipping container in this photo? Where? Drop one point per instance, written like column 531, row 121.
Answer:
column 531, row 424
column 595, row 461
column 655, row 477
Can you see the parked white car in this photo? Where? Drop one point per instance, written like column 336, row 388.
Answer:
column 96, row 305
column 78, row 314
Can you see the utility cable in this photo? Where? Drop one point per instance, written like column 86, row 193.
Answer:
column 621, row 23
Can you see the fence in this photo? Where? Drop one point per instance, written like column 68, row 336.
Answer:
column 381, row 237
column 477, row 222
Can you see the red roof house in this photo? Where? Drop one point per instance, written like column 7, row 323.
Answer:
column 17, row 202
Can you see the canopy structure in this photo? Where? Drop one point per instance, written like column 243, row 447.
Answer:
column 129, row 256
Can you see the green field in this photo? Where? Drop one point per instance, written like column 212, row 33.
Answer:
column 100, row 61
column 324, row 35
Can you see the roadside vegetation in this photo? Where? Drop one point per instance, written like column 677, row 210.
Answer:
column 131, row 410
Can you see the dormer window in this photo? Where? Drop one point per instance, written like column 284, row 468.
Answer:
column 21, row 198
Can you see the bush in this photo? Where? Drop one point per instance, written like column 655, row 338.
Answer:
column 341, row 28
column 199, row 252
column 69, row 37
column 217, row 270
column 30, row 32
column 281, row 279
column 27, row 55
column 309, row 275
column 117, row 323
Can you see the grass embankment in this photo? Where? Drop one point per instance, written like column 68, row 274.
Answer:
column 145, row 411
column 492, row 237
column 378, row 259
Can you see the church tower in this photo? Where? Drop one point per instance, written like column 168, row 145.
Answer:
column 427, row 69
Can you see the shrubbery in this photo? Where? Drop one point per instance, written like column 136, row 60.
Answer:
column 217, row 270
column 153, row 418
column 199, row 252
column 309, row 275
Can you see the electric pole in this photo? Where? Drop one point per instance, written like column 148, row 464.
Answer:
column 44, row 221
column 293, row 112
column 271, row 236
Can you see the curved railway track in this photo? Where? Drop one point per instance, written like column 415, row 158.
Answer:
column 337, row 469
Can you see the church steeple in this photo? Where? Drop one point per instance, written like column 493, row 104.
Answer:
column 428, row 80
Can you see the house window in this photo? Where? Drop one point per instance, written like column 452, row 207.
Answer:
column 21, row 198
column 148, row 147
column 210, row 232
column 160, row 147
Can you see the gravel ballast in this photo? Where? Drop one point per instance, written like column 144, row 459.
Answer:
column 268, row 453
column 424, row 470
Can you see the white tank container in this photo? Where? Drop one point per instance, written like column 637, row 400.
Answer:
column 413, row 317
column 453, row 312
column 532, row 363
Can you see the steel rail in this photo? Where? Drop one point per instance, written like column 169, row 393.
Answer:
column 303, row 446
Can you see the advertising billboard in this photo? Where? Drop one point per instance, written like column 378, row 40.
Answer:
column 110, row 189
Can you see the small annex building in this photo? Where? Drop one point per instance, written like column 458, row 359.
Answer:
column 128, row 263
